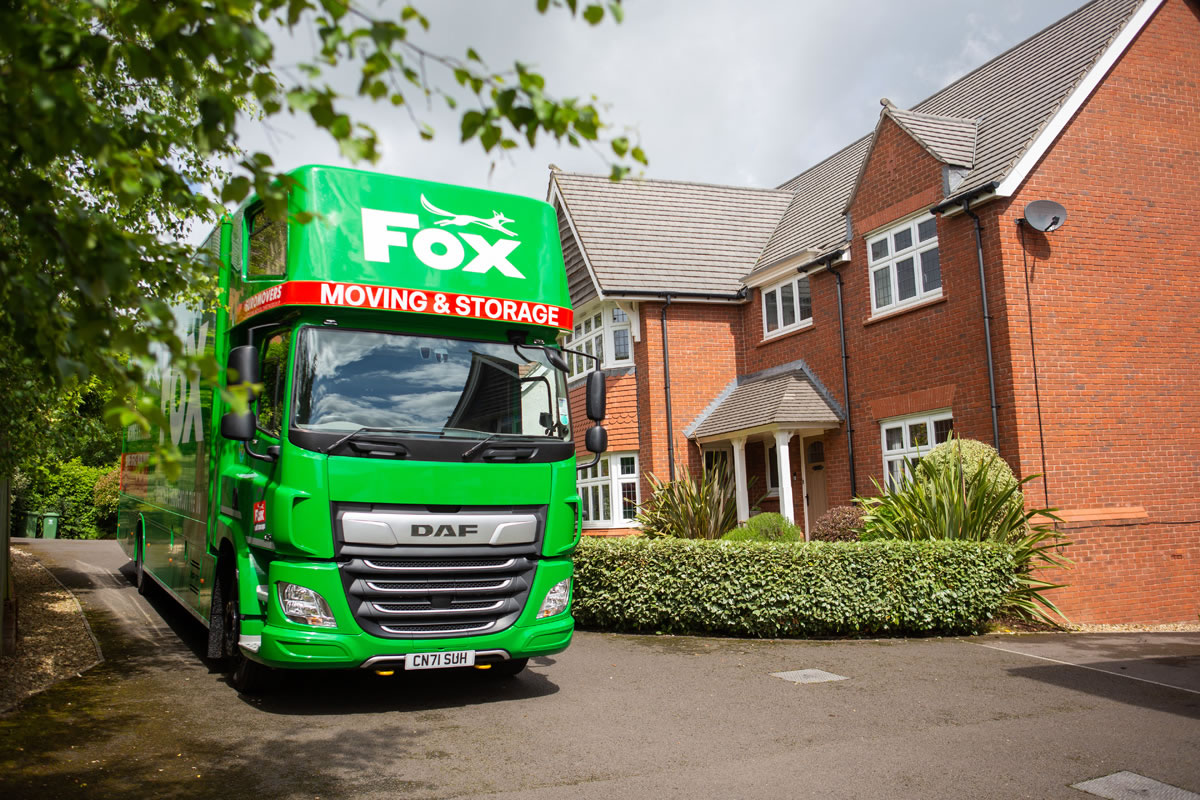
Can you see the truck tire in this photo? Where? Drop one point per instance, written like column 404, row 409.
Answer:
column 246, row 676
column 140, row 579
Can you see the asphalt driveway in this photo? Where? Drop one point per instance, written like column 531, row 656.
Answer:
column 613, row 716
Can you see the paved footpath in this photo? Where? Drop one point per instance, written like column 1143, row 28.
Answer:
column 612, row 717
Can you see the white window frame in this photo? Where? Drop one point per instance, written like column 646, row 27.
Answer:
column 711, row 453
column 594, row 486
column 772, row 491
column 776, row 291
column 596, row 331
column 894, row 465
column 889, row 260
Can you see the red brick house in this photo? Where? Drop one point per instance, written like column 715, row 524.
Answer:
column 837, row 324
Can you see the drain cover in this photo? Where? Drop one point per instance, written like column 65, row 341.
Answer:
column 1131, row 786
column 808, row 676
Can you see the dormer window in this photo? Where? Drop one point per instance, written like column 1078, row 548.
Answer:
column 905, row 266
column 787, row 306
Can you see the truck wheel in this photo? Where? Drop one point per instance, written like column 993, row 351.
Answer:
column 248, row 677
column 139, row 567
column 510, row 668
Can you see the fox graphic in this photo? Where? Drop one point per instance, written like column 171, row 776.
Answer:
column 496, row 223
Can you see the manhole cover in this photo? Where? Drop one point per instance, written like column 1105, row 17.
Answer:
column 1131, row 786
column 808, row 676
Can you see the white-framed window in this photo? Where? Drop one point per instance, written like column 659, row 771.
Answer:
column 772, row 469
column 909, row 438
column 787, row 306
column 604, row 332
column 905, row 265
column 609, row 491
column 718, row 456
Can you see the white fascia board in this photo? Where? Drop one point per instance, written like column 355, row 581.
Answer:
column 1082, row 92
column 559, row 202
column 762, row 277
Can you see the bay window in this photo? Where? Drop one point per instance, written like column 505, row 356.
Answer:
column 609, row 491
column 603, row 332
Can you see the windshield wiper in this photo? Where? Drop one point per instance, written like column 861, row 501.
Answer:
column 511, row 437
column 366, row 429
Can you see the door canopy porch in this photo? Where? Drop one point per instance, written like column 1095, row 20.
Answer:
column 773, row 405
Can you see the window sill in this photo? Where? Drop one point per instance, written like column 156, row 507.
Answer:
column 899, row 312
column 775, row 337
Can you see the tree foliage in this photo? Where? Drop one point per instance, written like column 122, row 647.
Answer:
column 118, row 128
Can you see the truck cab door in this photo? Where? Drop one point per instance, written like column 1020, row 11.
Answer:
column 256, row 482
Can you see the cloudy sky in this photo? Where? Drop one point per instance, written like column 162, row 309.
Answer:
column 716, row 91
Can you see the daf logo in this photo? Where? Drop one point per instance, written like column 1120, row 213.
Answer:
column 436, row 247
column 444, row 530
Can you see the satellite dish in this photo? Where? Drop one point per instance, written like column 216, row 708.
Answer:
column 1045, row 215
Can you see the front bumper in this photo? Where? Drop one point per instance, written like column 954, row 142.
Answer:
column 278, row 642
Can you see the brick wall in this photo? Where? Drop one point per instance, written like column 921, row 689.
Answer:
column 1115, row 295
column 704, row 340
column 620, row 420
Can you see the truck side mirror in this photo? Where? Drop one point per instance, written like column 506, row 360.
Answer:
column 242, row 366
column 596, row 439
column 595, row 397
column 239, row 427
column 241, row 369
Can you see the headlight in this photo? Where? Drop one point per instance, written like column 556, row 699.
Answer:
column 556, row 599
column 305, row 606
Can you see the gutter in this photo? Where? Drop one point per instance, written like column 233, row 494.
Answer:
column 739, row 295
column 955, row 204
column 827, row 262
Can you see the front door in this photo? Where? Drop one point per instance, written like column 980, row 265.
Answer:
column 814, row 465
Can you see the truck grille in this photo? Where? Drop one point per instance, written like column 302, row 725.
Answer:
column 403, row 598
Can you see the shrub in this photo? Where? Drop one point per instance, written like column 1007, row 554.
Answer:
column 940, row 503
column 977, row 458
column 768, row 527
column 840, row 524
column 690, row 508
column 777, row 589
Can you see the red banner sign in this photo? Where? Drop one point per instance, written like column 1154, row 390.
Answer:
column 391, row 298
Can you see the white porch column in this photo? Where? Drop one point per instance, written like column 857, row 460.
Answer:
column 740, row 483
column 784, row 462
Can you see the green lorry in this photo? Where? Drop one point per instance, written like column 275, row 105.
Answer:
column 401, row 493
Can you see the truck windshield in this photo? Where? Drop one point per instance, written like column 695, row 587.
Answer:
column 420, row 385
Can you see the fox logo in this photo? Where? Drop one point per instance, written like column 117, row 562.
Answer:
column 436, row 247
column 496, row 223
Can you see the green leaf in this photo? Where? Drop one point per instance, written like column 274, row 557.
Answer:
column 471, row 122
column 235, row 190
column 593, row 14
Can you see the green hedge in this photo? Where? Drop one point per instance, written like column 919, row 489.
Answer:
column 779, row 590
column 68, row 488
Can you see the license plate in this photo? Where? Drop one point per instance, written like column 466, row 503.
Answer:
column 455, row 658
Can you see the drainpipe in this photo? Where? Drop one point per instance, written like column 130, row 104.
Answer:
column 828, row 263
column 964, row 200
column 667, row 387
column 987, row 322
column 667, row 297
